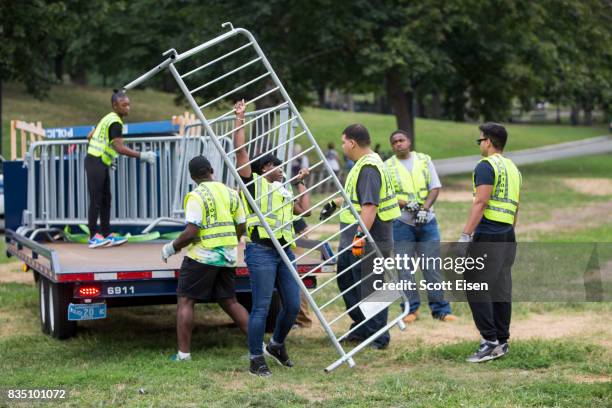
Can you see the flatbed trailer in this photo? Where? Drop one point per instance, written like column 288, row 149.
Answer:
column 76, row 283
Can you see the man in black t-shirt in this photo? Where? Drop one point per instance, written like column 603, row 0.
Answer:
column 489, row 231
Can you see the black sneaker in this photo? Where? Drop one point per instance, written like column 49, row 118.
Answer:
column 278, row 353
column 500, row 350
column 259, row 368
column 378, row 346
column 484, row 353
column 352, row 338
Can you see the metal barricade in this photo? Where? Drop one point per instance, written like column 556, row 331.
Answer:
column 207, row 91
column 142, row 194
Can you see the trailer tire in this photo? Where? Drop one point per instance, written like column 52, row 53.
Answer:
column 43, row 304
column 59, row 296
column 245, row 300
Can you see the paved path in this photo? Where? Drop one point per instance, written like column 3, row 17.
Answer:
column 585, row 147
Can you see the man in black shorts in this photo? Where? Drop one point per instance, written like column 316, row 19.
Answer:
column 215, row 221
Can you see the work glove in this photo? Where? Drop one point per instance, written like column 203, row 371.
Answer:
column 358, row 244
column 149, row 157
column 421, row 216
column 328, row 210
column 167, row 251
column 412, row 206
column 463, row 245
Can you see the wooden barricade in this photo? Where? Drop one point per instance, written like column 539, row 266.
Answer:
column 31, row 132
column 185, row 120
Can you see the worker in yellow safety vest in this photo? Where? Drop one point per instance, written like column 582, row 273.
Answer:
column 215, row 220
column 105, row 142
column 488, row 236
column 416, row 232
column 265, row 182
column 370, row 188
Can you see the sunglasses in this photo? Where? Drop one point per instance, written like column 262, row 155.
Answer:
column 479, row 141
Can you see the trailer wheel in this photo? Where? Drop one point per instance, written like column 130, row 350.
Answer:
column 59, row 297
column 43, row 304
column 246, row 300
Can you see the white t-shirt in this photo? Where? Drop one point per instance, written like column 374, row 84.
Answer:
column 219, row 256
column 408, row 217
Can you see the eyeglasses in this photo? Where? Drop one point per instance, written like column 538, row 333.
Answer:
column 479, row 141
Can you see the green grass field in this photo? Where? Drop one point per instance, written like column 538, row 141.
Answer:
column 561, row 355
column 75, row 105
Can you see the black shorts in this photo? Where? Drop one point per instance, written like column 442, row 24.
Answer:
column 205, row 282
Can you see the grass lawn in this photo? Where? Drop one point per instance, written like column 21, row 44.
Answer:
column 78, row 105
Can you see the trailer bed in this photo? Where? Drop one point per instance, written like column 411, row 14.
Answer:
column 74, row 258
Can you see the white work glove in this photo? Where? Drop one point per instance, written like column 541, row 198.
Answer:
column 465, row 237
column 412, row 206
column 149, row 157
column 421, row 217
column 463, row 245
column 167, row 251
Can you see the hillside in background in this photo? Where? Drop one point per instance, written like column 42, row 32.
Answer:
column 79, row 105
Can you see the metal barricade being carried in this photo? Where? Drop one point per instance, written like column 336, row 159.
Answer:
column 229, row 67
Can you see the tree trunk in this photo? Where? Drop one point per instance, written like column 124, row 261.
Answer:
column 588, row 115
column 350, row 102
column 168, row 82
column 321, row 95
column 1, row 123
column 436, row 105
column 59, row 67
column 421, row 112
column 79, row 75
column 574, row 115
column 400, row 102
column 558, row 120
column 459, row 108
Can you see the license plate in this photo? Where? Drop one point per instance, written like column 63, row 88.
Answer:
column 86, row 311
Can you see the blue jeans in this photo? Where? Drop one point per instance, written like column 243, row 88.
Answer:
column 353, row 296
column 421, row 241
column 267, row 270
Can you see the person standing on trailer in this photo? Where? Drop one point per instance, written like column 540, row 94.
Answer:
column 215, row 221
column 416, row 232
column 105, row 142
column 266, row 267
column 369, row 187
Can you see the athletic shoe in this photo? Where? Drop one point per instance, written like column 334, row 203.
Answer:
column 501, row 350
column 352, row 338
column 279, row 353
column 116, row 240
column 175, row 357
column 98, row 241
column 446, row 318
column 411, row 317
column 484, row 353
column 259, row 368
column 378, row 346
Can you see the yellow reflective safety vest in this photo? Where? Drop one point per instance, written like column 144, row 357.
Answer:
column 99, row 144
column 269, row 199
column 218, row 203
column 503, row 203
column 410, row 185
column 388, row 208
